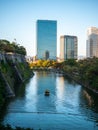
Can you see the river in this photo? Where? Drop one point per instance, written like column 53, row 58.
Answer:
column 69, row 106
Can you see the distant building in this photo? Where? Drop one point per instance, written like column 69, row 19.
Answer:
column 29, row 59
column 46, row 55
column 81, row 57
column 68, row 47
column 92, row 42
column 46, row 39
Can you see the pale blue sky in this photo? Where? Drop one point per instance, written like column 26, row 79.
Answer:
column 18, row 20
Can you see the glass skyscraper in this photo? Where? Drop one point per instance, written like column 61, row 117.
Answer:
column 68, row 47
column 46, row 39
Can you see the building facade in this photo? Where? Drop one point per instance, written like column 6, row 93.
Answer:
column 68, row 47
column 92, row 42
column 46, row 39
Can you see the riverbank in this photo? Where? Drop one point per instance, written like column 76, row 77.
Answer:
column 85, row 85
column 73, row 75
column 77, row 78
column 85, row 72
column 13, row 70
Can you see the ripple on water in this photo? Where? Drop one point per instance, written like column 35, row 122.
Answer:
column 65, row 108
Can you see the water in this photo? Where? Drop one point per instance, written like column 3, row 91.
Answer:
column 69, row 106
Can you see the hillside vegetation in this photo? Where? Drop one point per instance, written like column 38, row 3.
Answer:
column 13, row 68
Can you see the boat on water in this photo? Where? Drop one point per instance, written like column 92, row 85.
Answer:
column 47, row 92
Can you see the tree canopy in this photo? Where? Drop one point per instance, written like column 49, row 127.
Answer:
column 43, row 64
column 86, row 69
column 6, row 46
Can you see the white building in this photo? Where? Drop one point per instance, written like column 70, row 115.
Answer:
column 92, row 42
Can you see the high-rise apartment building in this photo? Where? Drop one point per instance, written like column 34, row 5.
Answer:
column 92, row 42
column 46, row 39
column 68, row 47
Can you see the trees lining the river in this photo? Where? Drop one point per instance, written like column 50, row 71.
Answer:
column 88, row 71
column 85, row 70
column 43, row 64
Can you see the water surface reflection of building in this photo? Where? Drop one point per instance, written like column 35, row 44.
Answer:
column 31, row 95
column 60, row 90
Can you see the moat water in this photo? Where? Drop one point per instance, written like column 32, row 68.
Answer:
column 68, row 107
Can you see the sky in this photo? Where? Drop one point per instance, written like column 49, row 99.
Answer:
column 18, row 20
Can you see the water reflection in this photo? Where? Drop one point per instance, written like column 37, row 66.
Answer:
column 67, row 94
column 88, row 98
column 88, row 108
column 60, row 93
column 69, row 106
column 45, row 81
column 31, row 95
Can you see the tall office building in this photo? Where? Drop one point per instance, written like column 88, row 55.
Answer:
column 46, row 39
column 68, row 47
column 92, row 42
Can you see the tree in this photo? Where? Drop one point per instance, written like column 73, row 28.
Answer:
column 6, row 46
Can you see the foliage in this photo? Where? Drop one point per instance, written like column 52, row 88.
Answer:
column 70, row 62
column 43, row 64
column 2, row 92
column 6, row 46
column 86, row 70
column 24, row 69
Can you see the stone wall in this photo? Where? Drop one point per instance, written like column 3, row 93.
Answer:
column 2, row 56
column 14, row 57
column 14, row 70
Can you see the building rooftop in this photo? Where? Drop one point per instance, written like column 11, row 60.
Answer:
column 46, row 20
column 92, row 30
column 64, row 36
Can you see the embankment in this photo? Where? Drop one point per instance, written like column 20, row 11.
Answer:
column 13, row 70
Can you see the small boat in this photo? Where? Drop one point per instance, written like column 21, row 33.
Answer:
column 47, row 93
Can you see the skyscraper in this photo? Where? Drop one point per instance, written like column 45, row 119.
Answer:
column 46, row 39
column 68, row 47
column 92, row 42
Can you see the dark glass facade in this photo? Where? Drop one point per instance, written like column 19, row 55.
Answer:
column 71, row 47
column 46, row 39
column 68, row 47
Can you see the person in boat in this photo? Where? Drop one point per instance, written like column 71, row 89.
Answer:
column 47, row 93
